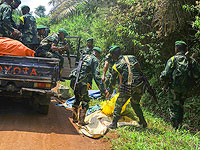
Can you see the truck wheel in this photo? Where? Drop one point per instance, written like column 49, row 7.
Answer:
column 43, row 109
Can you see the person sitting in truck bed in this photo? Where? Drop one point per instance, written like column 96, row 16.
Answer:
column 49, row 46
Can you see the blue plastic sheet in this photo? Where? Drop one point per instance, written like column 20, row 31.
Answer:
column 93, row 109
column 92, row 93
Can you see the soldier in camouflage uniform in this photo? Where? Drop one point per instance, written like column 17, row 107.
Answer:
column 28, row 28
column 89, row 66
column 14, row 6
column 177, row 82
column 66, row 51
column 41, row 32
column 89, row 47
column 6, row 28
column 49, row 46
column 88, row 50
column 130, row 86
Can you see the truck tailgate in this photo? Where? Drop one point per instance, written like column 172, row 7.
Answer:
column 33, row 69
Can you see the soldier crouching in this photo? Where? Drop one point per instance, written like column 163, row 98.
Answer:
column 131, row 85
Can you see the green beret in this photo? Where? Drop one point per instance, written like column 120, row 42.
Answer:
column 18, row 1
column 63, row 31
column 180, row 43
column 90, row 39
column 41, row 27
column 114, row 48
column 97, row 49
column 24, row 6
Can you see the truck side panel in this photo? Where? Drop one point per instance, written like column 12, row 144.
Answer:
column 31, row 69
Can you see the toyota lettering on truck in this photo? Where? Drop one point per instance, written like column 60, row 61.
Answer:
column 18, row 70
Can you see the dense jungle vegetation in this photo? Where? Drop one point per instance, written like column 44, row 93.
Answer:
column 147, row 29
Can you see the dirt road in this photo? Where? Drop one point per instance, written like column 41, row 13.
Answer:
column 23, row 129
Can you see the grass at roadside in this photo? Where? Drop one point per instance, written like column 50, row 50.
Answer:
column 158, row 135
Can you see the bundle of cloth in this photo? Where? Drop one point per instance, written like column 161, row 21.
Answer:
column 14, row 48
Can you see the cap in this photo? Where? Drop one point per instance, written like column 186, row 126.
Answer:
column 114, row 48
column 24, row 6
column 180, row 43
column 41, row 27
column 97, row 49
column 19, row 1
column 63, row 31
column 90, row 39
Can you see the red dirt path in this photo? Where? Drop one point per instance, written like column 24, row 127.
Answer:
column 23, row 129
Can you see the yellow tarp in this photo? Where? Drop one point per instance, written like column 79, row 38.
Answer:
column 109, row 105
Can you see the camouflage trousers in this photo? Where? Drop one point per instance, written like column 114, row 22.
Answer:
column 176, row 101
column 81, row 96
column 135, row 97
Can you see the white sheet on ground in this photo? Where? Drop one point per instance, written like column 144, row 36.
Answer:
column 98, row 122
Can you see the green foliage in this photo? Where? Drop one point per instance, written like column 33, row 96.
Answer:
column 195, row 9
column 16, row 15
column 43, row 21
column 40, row 11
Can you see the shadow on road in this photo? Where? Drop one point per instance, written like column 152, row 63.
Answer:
column 19, row 116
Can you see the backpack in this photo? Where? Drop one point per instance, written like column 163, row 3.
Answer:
column 182, row 73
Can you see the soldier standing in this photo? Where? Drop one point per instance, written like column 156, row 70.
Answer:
column 6, row 28
column 127, row 69
column 88, row 50
column 28, row 28
column 14, row 6
column 177, row 79
column 90, row 65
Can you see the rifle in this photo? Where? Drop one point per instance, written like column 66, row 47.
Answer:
column 147, row 85
column 78, row 70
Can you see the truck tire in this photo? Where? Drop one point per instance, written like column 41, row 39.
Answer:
column 43, row 109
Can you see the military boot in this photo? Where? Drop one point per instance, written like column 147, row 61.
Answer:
column 81, row 120
column 75, row 114
column 140, row 115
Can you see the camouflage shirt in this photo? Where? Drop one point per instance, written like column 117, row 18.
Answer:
column 121, row 68
column 90, row 66
column 170, row 73
column 6, row 20
column 48, row 41
column 29, row 29
column 86, row 51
